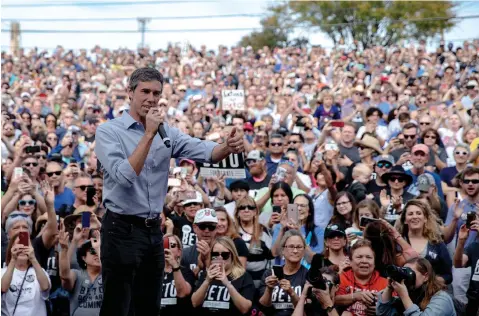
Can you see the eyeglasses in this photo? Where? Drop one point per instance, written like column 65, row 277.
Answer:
column 276, row 144
column 293, row 247
column 294, row 142
column 430, row 136
column 191, row 204
column 382, row 164
column 20, row 214
column 343, row 203
column 473, row 181
column 247, row 207
column 30, row 164
column 83, row 187
column 57, row 173
column 27, row 202
column 92, row 251
column 398, row 179
column 461, row 153
column 302, row 205
column 204, row 226
column 209, row 110
column 425, row 123
column 224, row 255
column 44, row 157
column 409, row 136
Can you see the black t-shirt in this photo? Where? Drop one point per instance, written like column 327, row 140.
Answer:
column 472, row 252
column 282, row 303
column 241, row 247
column 218, row 300
column 189, row 258
column 373, row 188
column 170, row 303
column 184, row 229
column 253, row 185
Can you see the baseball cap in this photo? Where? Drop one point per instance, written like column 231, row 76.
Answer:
column 191, row 162
column 25, row 95
column 248, row 126
column 255, row 155
column 387, row 158
column 206, row 215
column 424, row 182
column 198, row 199
column 259, row 123
column 181, row 87
column 471, row 83
column 420, row 147
column 334, row 230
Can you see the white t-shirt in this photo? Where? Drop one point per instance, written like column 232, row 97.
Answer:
column 32, row 299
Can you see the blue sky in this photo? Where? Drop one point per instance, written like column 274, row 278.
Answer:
column 466, row 29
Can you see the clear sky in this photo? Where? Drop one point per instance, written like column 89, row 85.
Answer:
column 466, row 29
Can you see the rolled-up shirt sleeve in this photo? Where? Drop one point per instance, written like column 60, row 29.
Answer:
column 190, row 147
column 112, row 158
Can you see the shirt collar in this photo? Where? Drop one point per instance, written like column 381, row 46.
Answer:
column 127, row 120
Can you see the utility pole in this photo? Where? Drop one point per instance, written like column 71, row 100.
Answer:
column 142, row 24
column 14, row 38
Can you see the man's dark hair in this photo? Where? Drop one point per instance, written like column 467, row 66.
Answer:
column 371, row 111
column 238, row 116
column 409, row 126
column 276, row 135
column 301, row 137
column 469, row 172
column 144, row 75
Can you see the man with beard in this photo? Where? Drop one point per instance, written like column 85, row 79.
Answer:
column 8, row 139
column 257, row 168
column 54, row 176
column 197, row 257
column 419, row 158
column 469, row 182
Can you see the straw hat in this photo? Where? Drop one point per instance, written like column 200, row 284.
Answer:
column 369, row 141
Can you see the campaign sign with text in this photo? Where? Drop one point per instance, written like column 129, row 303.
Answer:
column 233, row 100
column 232, row 167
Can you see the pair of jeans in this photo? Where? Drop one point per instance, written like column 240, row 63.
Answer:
column 133, row 264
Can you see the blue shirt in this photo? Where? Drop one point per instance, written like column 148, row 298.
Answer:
column 66, row 197
column 467, row 206
column 124, row 191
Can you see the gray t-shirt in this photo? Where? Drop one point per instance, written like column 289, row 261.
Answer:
column 86, row 297
column 189, row 258
column 350, row 152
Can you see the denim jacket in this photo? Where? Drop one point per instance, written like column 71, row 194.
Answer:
column 441, row 304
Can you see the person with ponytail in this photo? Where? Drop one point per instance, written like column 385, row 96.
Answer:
column 425, row 297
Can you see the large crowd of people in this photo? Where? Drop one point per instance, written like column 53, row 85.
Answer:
column 361, row 194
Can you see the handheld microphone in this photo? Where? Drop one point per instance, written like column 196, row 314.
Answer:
column 164, row 137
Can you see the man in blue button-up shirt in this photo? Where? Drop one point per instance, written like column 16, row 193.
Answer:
column 136, row 163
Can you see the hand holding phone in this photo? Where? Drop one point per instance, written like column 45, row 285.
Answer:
column 364, row 221
column 278, row 272
column 293, row 213
column 23, row 238
column 339, row 124
column 166, row 243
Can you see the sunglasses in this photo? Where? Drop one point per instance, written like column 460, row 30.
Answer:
column 224, row 255
column 41, row 157
column 83, row 187
column 409, row 136
column 425, row 123
column 57, row 173
column 247, row 207
column 473, row 181
column 27, row 202
column 294, row 142
column 209, row 227
column 398, row 179
column 251, row 162
column 276, row 144
column 191, row 204
column 384, row 165
column 461, row 153
column 92, row 251
column 17, row 215
column 173, row 245
column 30, row 164
column 430, row 136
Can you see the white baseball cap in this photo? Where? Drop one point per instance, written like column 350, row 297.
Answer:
column 206, row 215
column 198, row 199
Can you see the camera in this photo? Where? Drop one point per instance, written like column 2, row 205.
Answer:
column 314, row 275
column 402, row 273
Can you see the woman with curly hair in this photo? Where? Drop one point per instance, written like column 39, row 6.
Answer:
column 418, row 225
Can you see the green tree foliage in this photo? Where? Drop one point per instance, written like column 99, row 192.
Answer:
column 368, row 23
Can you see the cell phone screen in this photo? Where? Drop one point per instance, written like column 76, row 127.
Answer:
column 23, row 238
column 85, row 219
column 278, row 272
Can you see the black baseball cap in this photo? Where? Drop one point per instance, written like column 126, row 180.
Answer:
column 334, row 230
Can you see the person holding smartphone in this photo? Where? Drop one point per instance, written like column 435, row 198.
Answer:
column 25, row 284
column 226, row 288
column 280, row 292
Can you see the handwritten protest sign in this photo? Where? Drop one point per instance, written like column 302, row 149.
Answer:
column 233, row 100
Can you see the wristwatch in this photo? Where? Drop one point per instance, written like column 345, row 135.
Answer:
column 329, row 309
column 176, row 269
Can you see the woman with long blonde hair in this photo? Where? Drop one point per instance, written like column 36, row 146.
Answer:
column 418, row 226
column 226, row 288
column 226, row 227
column 256, row 236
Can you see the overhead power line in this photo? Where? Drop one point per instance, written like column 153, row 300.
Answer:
column 192, row 17
column 239, row 29
column 98, row 3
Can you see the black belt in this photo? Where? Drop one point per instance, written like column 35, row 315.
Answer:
column 138, row 221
